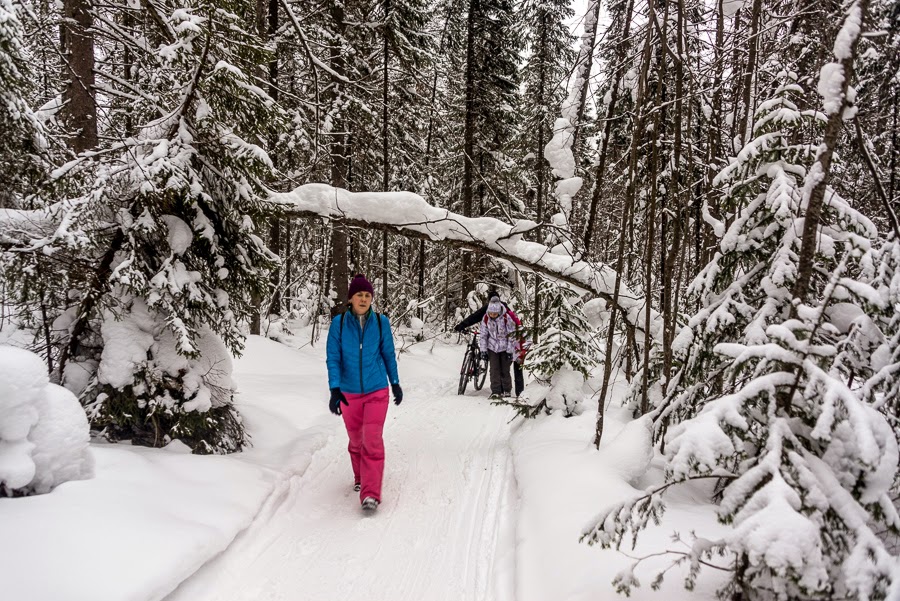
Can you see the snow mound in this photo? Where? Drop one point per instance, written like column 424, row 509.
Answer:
column 631, row 451
column 44, row 432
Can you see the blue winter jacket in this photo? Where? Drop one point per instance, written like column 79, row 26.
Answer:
column 361, row 360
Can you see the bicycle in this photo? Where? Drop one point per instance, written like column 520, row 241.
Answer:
column 473, row 366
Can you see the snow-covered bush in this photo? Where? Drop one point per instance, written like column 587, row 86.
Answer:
column 565, row 351
column 160, row 226
column 43, row 430
column 150, row 393
column 764, row 400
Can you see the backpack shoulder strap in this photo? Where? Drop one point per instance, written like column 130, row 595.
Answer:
column 380, row 330
column 342, row 324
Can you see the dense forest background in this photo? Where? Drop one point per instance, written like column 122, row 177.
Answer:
column 731, row 167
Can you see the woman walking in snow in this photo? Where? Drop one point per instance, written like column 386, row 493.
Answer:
column 361, row 363
column 497, row 341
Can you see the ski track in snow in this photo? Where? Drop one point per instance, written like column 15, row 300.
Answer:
column 444, row 530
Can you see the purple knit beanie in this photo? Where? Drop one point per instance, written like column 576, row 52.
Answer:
column 359, row 283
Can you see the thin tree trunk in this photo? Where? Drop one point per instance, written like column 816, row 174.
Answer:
column 278, row 277
column 753, row 43
column 893, row 183
column 821, row 169
column 469, row 136
column 659, row 120
column 386, row 173
column 540, row 168
column 636, row 138
column 583, row 65
column 607, row 131
column 79, row 111
column 339, row 160
column 666, row 265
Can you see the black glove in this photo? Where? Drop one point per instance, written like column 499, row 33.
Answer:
column 509, row 357
column 337, row 397
column 458, row 327
column 484, row 356
column 398, row 393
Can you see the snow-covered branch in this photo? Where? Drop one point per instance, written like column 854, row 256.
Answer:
column 414, row 217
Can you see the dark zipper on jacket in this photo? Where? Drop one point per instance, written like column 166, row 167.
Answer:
column 362, row 335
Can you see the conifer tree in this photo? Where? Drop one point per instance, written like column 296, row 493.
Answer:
column 22, row 140
column 564, row 352
column 159, row 244
column 761, row 403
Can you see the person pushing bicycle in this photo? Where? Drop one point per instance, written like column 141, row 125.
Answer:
column 518, row 350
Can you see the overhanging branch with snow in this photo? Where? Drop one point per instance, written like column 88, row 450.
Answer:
column 410, row 215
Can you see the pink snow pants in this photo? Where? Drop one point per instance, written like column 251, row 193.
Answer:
column 364, row 419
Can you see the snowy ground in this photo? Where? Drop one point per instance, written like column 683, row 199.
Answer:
column 476, row 505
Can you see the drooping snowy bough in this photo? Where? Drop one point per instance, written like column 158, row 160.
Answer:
column 410, row 215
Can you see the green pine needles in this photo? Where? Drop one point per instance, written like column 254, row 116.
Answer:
column 772, row 396
column 157, row 243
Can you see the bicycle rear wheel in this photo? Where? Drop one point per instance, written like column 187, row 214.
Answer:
column 481, row 370
column 464, row 373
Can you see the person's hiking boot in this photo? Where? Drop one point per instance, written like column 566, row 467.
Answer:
column 505, row 395
column 369, row 503
column 356, row 486
column 494, row 397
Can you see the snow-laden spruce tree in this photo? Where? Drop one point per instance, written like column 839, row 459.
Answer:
column 159, row 246
column 564, row 354
column 761, row 403
column 871, row 354
column 21, row 138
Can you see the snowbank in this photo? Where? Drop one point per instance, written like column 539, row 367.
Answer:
column 151, row 517
column 563, row 482
column 43, row 430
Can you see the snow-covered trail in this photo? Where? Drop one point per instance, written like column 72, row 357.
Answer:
column 444, row 530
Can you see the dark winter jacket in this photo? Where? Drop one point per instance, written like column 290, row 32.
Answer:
column 361, row 360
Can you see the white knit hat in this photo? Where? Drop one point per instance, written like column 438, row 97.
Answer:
column 495, row 306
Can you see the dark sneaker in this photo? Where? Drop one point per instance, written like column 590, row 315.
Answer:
column 505, row 395
column 369, row 504
column 494, row 397
column 356, row 487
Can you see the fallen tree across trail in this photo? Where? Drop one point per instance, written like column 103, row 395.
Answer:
column 408, row 214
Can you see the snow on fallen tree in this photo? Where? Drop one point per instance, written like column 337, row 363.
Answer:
column 410, row 215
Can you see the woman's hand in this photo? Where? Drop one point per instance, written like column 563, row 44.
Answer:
column 337, row 397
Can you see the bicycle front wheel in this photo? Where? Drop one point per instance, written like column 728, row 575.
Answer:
column 481, row 370
column 464, row 373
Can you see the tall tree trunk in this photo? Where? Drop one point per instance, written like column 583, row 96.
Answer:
column 750, row 70
column 469, row 136
column 339, row 158
column 79, row 111
column 539, row 163
column 583, row 65
column 659, row 134
column 630, row 190
column 819, row 173
column 607, row 131
column 386, row 174
column 667, row 258
column 279, row 278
